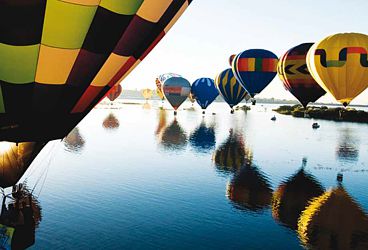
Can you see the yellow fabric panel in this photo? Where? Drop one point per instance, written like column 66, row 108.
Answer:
column 152, row 10
column 54, row 64
column 345, row 81
column 109, row 69
column 176, row 17
column 83, row 2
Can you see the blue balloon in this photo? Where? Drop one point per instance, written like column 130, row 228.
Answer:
column 204, row 91
column 255, row 69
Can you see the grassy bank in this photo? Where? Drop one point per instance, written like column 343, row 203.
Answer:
column 336, row 114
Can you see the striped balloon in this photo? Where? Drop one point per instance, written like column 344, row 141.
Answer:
column 229, row 88
column 293, row 72
column 255, row 69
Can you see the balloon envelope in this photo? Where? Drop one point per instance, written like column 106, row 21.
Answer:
column 293, row 72
column 59, row 58
column 339, row 64
column 255, row 69
column 204, row 91
column 114, row 92
column 176, row 90
column 147, row 93
column 229, row 88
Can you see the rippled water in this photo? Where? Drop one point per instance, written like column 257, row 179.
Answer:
column 137, row 177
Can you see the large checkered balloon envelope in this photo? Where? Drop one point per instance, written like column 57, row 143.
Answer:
column 59, row 58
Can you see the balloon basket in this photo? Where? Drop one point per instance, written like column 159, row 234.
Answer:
column 232, row 111
column 175, row 112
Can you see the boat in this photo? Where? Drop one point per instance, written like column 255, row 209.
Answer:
column 315, row 125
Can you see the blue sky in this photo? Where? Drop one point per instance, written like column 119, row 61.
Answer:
column 201, row 42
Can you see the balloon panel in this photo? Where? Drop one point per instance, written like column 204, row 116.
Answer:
column 61, row 57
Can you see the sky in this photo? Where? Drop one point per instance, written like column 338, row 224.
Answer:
column 209, row 31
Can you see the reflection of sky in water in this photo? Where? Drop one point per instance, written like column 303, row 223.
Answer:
column 150, row 185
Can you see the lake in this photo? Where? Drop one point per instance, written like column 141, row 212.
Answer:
column 136, row 177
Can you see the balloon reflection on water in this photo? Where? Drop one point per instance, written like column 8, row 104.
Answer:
column 74, row 142
column 203, row 139
column 111, row 122
column 334, row 220
column 348, row 147
column 173, row 137
column 293, row 195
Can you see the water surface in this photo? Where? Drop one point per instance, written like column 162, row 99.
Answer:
column 137, row 177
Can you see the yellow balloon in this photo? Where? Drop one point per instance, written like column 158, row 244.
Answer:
column 147, row 93
column 339, row 64
column 159, row 94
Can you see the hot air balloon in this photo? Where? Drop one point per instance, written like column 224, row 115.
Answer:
column 114, row 92
column 203, row 138
column 255, row 69
column 159, row 89
column 231, row 58
column 111, row 122
column 160, row 94
column 293, row 196
column 230, row 89
column 59, row 58
column 334, row 220
column 204, row 92
column 176, row 91
column 293, row 72
column 339, row 64
column 15, row 158
column 74, row 141
column 147, row 94
column 249, row 189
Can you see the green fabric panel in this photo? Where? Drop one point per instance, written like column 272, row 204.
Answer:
column 2, row 108
column 66, row 25
column 125, row 7
column 258, row 64
column 336, row 63
column 18, row 63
